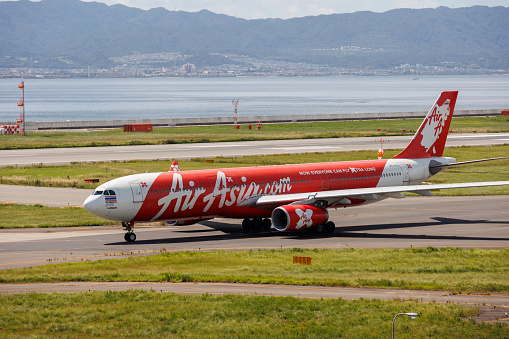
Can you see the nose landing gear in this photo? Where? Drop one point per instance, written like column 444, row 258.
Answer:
column 129, row 236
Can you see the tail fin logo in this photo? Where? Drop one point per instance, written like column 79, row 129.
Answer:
column 429, row 140
column 434, row 125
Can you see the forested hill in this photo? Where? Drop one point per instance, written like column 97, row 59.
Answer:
column 72, row 33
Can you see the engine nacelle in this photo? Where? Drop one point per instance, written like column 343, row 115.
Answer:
column 298, row 217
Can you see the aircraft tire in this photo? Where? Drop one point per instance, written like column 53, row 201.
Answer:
column 247, row 224
column 266, row 224
column 330, row 227
column 130, row 237
column 320, row 228
column 257, row 224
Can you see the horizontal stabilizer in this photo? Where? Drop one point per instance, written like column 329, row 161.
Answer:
column 438, row 165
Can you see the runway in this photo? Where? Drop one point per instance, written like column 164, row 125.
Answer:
column 466, row 222
column 63, row 156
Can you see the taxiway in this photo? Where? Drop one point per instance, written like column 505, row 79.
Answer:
column 63, row 156
column 466, row 222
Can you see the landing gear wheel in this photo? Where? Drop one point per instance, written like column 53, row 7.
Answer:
column 247, row 224
column 129, row 236
column 266, row 224
column 330, row 227
column 257, row 224
column 320, row 228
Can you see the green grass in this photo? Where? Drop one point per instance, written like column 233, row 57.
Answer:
column 14, row 216
column 151, row 314
column 333, row 129
column 447, row 269
column 74, row 174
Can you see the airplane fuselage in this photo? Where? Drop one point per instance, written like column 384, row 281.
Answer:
column 204, row 194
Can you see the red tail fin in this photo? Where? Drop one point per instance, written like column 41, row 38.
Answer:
column 429, row 140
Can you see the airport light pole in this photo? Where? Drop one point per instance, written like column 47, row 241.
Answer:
column 411, row 315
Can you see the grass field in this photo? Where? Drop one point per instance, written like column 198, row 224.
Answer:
column 448, row 269
column 333, row 129
column 73, row 175
column 151, row 314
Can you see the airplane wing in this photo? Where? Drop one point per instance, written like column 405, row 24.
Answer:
column 375, row 193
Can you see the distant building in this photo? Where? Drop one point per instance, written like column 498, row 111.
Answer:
column 189, row 68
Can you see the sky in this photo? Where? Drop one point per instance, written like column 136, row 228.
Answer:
column 285, row 9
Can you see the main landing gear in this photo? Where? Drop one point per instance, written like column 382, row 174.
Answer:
column 129, row 236
column 256, row 224
column 328, row 227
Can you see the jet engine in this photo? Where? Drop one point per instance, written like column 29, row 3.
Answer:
column 298, row 217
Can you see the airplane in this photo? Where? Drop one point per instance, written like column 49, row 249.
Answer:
column 288, row 197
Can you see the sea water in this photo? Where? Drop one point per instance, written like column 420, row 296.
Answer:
column 153, row 98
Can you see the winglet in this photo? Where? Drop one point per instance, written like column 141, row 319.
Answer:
column 429, row 140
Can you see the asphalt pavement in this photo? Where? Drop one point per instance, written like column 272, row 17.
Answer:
column 466, row 222
column 63, row 156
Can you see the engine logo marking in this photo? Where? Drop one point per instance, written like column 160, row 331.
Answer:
column 305, row 218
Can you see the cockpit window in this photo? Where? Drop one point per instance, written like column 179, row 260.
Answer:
column 109, row 192
column 98, row 192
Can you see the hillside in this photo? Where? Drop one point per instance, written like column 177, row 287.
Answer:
column 72, row 33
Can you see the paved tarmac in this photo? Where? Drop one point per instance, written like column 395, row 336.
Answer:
column 466, row 222
column 62, row 156
column 47, row 196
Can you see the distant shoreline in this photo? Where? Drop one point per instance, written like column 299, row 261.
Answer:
column 353, row 73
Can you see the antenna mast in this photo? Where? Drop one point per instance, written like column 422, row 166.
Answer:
column 235, row 124
column 21, row 104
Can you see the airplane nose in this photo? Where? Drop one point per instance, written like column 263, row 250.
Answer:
column 90, row 204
